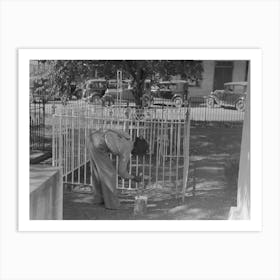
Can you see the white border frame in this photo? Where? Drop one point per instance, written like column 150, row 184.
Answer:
column 254, row 224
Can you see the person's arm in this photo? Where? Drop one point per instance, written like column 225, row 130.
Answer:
column 123, row 161
column 122, row 147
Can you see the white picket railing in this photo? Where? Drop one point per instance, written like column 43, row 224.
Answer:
column 166, row 131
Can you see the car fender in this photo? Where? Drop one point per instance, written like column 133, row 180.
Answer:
column 147, row 95
column 107, row 97
column 95, row 93
column 241, row 98
column 177, row 95
column 213, row 96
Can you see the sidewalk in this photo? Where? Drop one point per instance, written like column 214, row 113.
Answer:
column 213, row 152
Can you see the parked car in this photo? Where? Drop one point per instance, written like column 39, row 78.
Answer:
column 233, row 95
column 126, row 84
column 113, row 95
column 171, row 92
column 125, row 94
column 76, row 91
column 39, row 99
column 94, row 89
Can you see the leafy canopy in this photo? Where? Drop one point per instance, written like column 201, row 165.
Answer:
column 65, row 72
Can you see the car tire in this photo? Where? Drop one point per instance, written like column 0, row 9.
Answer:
column 210, row 102
column 146, row 101
column 96, row 100
column 240, row 105
column 107, row 101
column 127, row 113
column 178, row 102
column 140, row 114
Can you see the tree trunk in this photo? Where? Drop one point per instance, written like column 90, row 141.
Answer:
column 137, row 95
column 140, row 82
column 242, row 211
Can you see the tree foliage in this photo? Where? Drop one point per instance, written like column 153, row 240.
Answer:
column 65, row 72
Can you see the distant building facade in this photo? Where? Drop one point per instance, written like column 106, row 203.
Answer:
column 216, row 73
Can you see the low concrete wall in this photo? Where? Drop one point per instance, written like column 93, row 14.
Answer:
column 46, row 193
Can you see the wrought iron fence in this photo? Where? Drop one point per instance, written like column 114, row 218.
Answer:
column 201, row 110
column 166, row 131
column 37, row 125
column 204, row 111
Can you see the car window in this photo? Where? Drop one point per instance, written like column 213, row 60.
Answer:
column 168, row 86
column 112, row 86
column 96, row 85
column 163, row 86
column 91, row 85
column 229, row 88
column 235, row 89
column 125, row 85
column 239, row 89
column 147, row 85
column 173, row 87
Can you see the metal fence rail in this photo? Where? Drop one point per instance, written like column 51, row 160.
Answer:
column 37, row 126
column 166, row 131
column 200, row 110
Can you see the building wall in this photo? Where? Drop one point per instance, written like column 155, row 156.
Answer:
column 239, row 71
column 46, row 193
column 206, row 86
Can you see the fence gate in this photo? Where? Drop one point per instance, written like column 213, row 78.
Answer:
column 165, row 130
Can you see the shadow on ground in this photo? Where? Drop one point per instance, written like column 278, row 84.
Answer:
column 212, row 185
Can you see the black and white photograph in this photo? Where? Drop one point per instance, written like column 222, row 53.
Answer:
column 139, row 139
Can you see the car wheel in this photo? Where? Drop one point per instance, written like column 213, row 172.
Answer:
column 178, row 102
column 96, row 100
column 146, row 100
column 107, row 101
column 127, row 113
column 240, row 105
column 139, row 114
column 210, row 102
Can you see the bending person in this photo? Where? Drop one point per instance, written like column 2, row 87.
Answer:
column 100, row 145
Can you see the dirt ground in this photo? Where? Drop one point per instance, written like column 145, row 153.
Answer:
column 214, row 159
